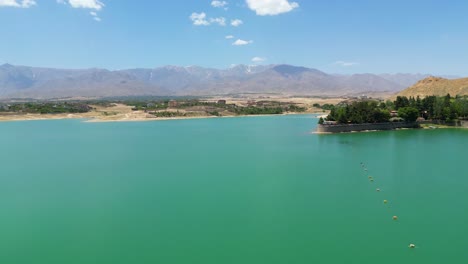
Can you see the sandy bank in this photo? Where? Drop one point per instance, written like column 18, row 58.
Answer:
column 124, row 113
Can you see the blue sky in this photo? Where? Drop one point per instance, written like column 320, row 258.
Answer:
column 337, row 36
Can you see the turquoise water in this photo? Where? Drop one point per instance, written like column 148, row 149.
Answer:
column 230, row 190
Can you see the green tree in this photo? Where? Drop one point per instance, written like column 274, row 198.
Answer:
column 409, row 114
column 401, row 101
column 390, row 105
column 380, row 116
column 342, row 116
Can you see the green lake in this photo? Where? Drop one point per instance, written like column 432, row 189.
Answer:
column 230, row 190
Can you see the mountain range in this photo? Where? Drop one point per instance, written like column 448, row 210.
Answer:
column 46, row 83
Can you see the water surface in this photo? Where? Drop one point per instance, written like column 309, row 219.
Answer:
column 229, row 190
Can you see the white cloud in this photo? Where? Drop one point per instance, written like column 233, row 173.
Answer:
column 258, row 59
column 229, row 37
column 241, row 42
column 219, row 4
column 199, row 19
column 345, row 63
column 17, row 3
column 219, row 20
column 95, row 16
column 86, row 4
column 89, row 4
column 236, row 22
column 28, row 3
column 271, row 7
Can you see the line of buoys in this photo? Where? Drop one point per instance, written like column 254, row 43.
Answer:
column 395, row 218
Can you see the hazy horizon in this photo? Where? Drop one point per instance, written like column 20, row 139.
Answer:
column 427, row 37
column 233, row 66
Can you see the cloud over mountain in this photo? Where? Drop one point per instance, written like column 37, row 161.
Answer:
column 258, row 59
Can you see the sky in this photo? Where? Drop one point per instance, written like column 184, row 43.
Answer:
column 335, row 36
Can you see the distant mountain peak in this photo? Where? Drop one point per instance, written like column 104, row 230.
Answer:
column 431, row 79
column 247, row 69
column 289, row 69
column 7, row 65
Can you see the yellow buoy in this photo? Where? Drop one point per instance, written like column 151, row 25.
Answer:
column 385, row 201
column 395, row 217
column 412, row 246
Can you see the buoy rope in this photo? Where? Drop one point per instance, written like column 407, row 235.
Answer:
column 385, row 202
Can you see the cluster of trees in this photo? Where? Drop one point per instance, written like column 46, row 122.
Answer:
column 251, row 110
column 192, row 103
column 157, row 107
column 432, row 107
column 214, row 113
column 324, row 107
column 148, row 105
column 164, row 104
column 359, row 112
column 168, row 114
column 445, row 108
column 46, row 107
column 213, row 108
column 295, row 108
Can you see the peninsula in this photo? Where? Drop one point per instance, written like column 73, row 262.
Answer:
column 404, row 112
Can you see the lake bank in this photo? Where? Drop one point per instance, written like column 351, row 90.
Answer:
column 136, row 116
column 346, row 128
column 209, row 108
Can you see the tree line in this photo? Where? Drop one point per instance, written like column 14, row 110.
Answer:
column 445, row 108
column 46, row 107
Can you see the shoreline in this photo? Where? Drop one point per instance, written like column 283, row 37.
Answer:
column 98, row 119
column 365, row 128
column 122, row 112
column 347, row 128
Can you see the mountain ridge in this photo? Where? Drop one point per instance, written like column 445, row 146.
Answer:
column 43, row 83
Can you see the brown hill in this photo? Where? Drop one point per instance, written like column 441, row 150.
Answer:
column 437, row 86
